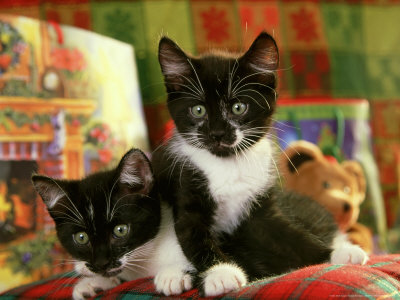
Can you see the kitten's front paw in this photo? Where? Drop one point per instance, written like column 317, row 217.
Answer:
column 223, row 278
column 172, row 281
column 349, row 254
column 90, row 286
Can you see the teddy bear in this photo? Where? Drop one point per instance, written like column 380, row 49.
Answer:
column 339, row 187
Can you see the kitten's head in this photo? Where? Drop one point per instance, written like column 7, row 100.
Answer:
column 102, row 219
column 221, row 102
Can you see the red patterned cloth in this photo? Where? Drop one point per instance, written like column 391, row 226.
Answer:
column 379, row 279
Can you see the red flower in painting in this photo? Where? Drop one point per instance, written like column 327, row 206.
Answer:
column 304, row 25
column 100, row 134
column 216, row 24
column 76, row 123
column 35, row 126
column 105, row 155
column 68, row 59
column 5, row 61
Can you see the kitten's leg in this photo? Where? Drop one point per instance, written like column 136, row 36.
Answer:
column 223, row 278
column 90, row 286
column 345, row 252
column 218, row 275
column 173, row 269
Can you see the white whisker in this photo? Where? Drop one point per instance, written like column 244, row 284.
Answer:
column 77, row 213
column 198, row 79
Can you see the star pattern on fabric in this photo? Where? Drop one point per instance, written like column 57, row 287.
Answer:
column 304, row 25
column 117, row 23
column 215, row 24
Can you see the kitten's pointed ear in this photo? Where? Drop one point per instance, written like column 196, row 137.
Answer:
column 49, row 189
column 174, row 63
column 263, row 55
column 135, row 171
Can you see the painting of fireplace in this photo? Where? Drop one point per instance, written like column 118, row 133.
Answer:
column 36, row 136
column 70, row 105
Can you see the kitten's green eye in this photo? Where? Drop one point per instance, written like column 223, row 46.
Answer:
column 198, row 111
column 81, row 238
column 239, row 108
column 121, row 230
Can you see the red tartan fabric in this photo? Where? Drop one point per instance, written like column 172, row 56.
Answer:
column 379, row 279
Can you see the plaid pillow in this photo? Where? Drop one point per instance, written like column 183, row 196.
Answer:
column 380, row 278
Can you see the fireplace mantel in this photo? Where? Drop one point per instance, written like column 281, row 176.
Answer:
column 25, row 123
column 35, row 108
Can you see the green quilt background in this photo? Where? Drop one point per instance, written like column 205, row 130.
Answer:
column 329, row 49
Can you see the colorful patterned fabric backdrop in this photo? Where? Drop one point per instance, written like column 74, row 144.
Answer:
column 330, row 49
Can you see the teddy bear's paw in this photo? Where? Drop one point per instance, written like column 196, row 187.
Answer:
column 349, row 254
column 172, row 281
column 223, row 278
column 90, row 286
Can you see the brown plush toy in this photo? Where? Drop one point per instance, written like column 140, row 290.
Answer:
column 340, row 188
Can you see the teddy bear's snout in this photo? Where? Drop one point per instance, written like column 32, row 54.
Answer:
column 346, row 207
column 345, row 216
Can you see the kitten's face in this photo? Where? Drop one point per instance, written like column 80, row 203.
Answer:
column 218, row 102
column 102, row 219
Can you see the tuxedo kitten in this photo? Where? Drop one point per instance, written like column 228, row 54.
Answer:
column 217, row 173
column 112, row 224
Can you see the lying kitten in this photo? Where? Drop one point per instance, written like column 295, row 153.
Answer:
column 217, row 174
column 112, row 224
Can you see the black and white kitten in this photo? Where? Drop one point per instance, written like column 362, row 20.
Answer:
column 112, row 224
column 217, row 172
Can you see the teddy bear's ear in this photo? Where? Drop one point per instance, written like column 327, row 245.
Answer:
column 296, row 154
column 355, row 169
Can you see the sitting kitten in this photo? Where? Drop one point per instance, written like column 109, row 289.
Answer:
column 217, row 173
column 112, row 224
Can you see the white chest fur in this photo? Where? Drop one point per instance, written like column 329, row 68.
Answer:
column 233, row 182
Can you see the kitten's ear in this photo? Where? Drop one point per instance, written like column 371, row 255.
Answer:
column 174, row 63
column 49, row 189
column 135, row 172
column 263, row 55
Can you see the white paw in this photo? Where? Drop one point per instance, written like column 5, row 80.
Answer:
column 172, row 281
column 90, row 286
column 223, row 278
column 349, row 254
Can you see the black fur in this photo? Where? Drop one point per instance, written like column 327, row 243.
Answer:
column 286, row 232
column 283, row 231
column 187, row 192
column 133, row 207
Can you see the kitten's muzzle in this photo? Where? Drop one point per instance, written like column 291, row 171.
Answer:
column 217, row 135
column 105, row 268
column 220, row 139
